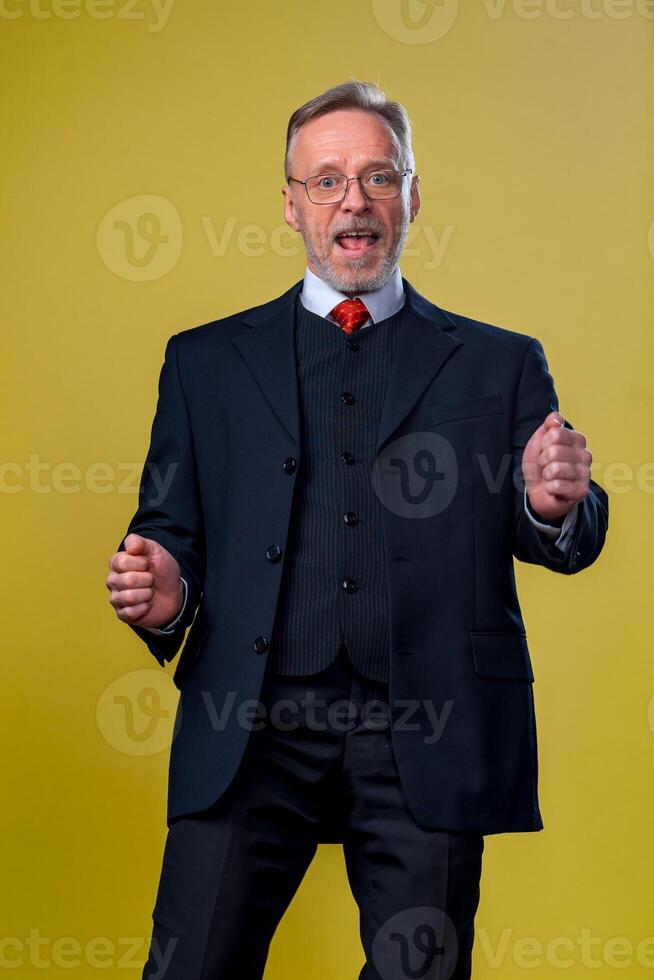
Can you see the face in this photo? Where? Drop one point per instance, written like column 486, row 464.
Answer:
column 350, row 142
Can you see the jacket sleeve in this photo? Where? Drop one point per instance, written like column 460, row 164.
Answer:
column 169, row 510
column 535, row 399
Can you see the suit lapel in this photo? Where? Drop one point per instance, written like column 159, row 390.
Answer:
column 269, row 351
column 424, row 345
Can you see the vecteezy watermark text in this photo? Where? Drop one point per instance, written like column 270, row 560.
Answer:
column 99, row 952
column 139, row 713
column 406, row 476
column 141, row 238
column 154, row 12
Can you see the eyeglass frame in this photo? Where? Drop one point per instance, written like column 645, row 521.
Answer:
column 402, row 173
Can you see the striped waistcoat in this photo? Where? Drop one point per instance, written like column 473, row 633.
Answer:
column 333, row 584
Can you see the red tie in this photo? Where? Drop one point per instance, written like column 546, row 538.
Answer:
column 350, row 314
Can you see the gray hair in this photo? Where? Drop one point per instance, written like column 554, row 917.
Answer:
column 355, row 95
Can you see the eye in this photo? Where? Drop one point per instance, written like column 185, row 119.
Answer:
column 378, row 179
column 327, row 182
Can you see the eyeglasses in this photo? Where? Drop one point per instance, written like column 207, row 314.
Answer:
column 378, row 185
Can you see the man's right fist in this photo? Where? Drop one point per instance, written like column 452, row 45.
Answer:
column 144, row 583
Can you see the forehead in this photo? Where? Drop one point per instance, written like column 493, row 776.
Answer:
column 345, row 138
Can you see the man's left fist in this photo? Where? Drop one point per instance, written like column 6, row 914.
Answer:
column 556, row 468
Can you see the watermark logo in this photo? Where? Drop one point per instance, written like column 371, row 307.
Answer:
column 136, row 712
column 417, row 475
column 426, row 21
column 140, row 238
column 419, row 942
column 415, row 21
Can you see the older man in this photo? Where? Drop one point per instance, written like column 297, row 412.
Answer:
column 350, row 472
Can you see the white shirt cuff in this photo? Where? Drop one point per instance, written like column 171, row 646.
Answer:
column 562, row 534
column 170, row 628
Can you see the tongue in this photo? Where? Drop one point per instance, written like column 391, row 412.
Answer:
column 356, row 242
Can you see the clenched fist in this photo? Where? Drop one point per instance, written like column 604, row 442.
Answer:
column 556, row 468
column 144, row 583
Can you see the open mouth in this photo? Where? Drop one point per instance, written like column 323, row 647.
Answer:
column 356, row 243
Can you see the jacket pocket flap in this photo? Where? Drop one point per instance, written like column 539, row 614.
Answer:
column 469, row 408
column 501, row 655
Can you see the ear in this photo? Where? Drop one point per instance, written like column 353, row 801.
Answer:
column 290, row 213
column 414, row 197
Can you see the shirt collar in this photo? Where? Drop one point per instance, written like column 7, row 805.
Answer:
column 318, row 297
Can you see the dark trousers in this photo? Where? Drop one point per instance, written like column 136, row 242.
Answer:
column 229, row 872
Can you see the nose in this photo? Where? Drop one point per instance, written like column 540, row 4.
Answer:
column 355, row 201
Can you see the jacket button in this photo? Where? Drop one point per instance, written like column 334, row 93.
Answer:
column 347, row 398
column 350, row 518
column 352, row 344
column 350, row 585
column 347, row 458
column 289, row 465
column 274, row 552
column 260, row 644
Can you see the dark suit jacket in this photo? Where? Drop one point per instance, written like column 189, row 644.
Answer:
column 227, row 420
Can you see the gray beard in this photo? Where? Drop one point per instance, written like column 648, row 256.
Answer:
column 359, row 281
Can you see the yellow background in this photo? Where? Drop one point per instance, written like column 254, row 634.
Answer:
column 532, row 138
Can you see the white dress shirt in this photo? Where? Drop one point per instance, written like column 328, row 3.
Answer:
column 318, row 297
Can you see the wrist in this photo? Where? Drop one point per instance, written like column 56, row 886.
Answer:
column 554, row 521
column 180, row 599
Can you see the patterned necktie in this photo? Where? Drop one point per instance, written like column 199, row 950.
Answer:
column 350, row 314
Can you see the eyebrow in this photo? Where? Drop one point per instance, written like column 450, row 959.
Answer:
column 328, row 166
